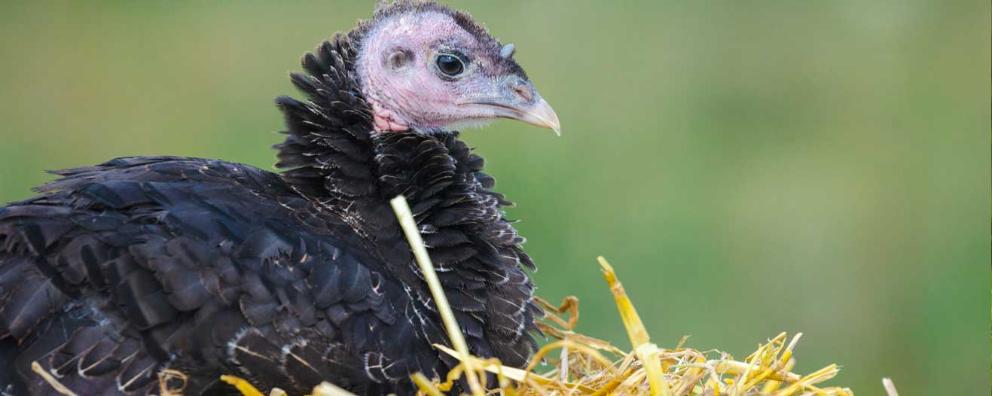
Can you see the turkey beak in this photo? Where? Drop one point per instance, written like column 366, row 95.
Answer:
column 540, row 114
column 515, row 98
column 528, row 106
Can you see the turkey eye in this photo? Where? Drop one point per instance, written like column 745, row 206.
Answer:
column 450, row 65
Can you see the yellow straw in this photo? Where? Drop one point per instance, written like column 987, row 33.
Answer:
column 245, row 387
column 646, row 352
column 405, row 217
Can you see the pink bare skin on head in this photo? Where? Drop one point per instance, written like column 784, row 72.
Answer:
column 423, row 70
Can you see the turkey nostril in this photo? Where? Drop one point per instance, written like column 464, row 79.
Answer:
column 524, row 92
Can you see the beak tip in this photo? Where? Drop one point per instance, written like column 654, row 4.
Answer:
column 553, row 121
column 543, row 115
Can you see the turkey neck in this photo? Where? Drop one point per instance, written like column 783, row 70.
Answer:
column 332, row 156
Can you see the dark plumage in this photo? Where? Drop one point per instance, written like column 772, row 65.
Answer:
column 118, row 271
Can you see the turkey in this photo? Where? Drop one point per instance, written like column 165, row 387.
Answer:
column 116, row 272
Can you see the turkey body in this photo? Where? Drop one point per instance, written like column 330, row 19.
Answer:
column 120, row 273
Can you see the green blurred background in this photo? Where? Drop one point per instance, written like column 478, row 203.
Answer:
column 748, row 167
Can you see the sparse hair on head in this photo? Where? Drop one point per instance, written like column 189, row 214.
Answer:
column 385, row 9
